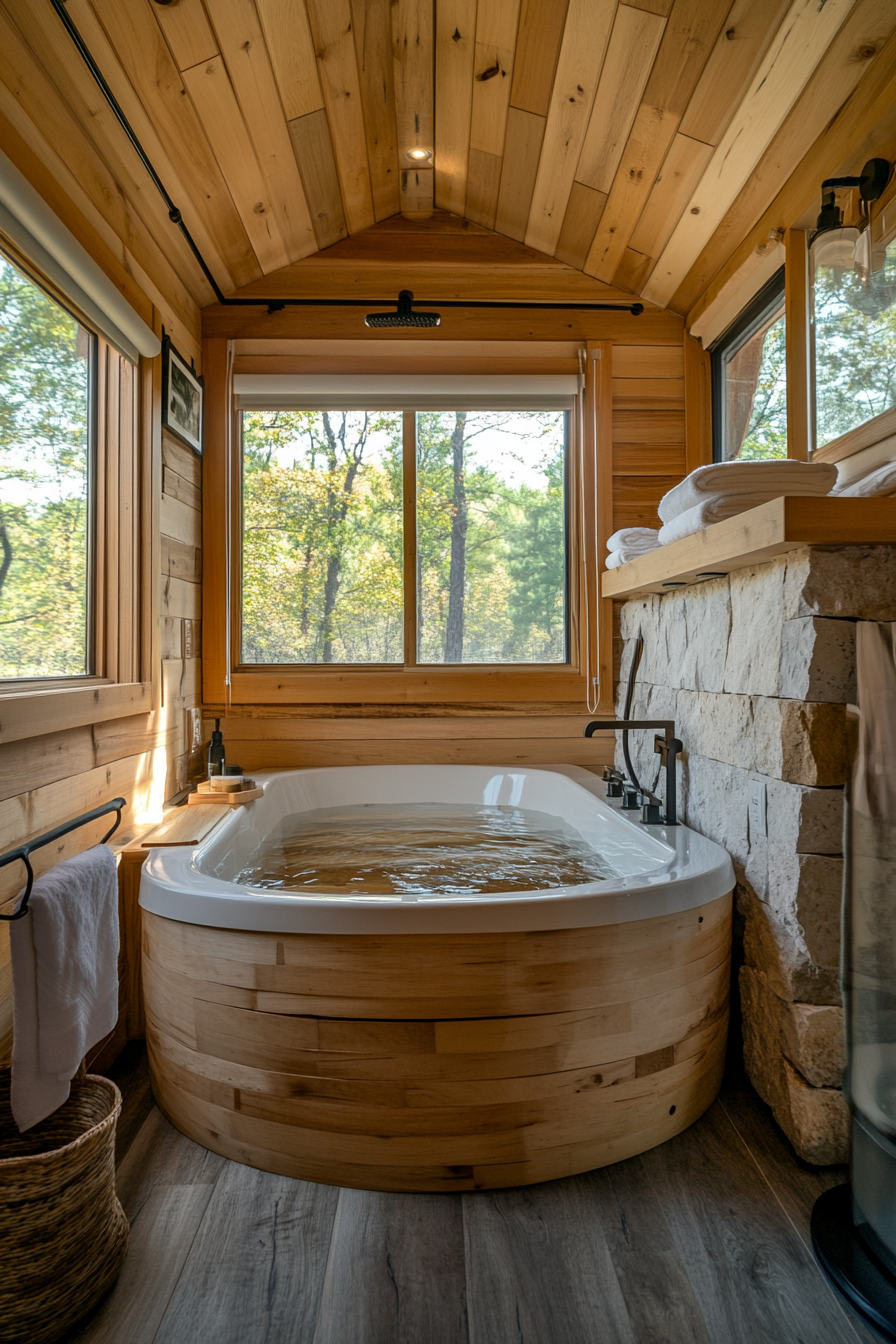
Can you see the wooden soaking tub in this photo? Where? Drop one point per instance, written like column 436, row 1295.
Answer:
column 438, row 1043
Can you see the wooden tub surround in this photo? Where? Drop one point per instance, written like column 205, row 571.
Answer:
column 439, row 1061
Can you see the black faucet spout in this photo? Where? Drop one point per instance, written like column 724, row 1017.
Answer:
column 668, row 746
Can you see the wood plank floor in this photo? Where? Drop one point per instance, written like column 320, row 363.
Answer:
column 703, row 1240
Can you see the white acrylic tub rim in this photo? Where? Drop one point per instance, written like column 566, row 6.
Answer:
column 668, row 869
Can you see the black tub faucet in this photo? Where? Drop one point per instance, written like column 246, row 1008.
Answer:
column 667, row 748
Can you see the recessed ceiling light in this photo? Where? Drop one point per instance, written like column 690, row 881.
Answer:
column 419, row 155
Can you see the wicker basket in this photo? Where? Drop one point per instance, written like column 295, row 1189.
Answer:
column 63, row 1232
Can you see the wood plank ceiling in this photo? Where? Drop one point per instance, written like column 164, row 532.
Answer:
column 627, row 141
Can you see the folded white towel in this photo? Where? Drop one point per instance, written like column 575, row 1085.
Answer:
column 749, row 483
column 878, row 481
column 700, row 516
column 626, row 553
column 65, row 979
column 635, row 539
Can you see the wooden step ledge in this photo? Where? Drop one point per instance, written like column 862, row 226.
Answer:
column 750, row 538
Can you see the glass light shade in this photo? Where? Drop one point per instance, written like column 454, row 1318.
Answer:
column 835, row 248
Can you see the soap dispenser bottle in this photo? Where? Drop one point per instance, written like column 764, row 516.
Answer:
column 216, row 751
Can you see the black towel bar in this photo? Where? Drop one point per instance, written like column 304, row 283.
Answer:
column 23, row 851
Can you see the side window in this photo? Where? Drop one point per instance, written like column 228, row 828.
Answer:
column 854, row 340
column 750, row 381
column 47, row 370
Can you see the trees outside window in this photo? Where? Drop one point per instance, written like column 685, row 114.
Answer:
column 854, row 331
column 326, row 529
column 45, row 483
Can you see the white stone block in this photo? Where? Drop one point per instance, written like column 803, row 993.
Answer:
column 775, row 943
column 818, row 660
column 809, row 1035
column 754, row 645
column 814, row 1118
column 843, row 581
column 708, row 621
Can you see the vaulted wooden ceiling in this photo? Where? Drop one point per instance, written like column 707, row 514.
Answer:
column 634, row 142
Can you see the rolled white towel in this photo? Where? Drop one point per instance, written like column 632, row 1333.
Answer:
column 639, row 540
column 878, row 481
column 746, row 484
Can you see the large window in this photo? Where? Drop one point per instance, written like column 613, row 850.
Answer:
column 750, row 382
column 47, row 361
column 854, row 339
column 404, row 538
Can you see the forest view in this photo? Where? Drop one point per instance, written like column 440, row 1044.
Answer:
column 324, row 537
column 855, row 347
column 44, row 480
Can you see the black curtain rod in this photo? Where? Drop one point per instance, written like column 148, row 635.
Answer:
column 23, row 851
column 275, row 305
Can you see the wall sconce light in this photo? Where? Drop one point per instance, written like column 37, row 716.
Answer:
column 846, row 247
column 419, row 156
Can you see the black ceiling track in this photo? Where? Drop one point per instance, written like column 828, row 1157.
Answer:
column 275, row 305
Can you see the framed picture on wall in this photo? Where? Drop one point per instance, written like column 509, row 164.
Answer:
column 182, row 394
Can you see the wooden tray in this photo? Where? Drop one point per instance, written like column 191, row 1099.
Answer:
column 224, row 799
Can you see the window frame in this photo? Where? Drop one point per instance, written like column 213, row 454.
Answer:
column 120, row 604
column 229, row 683
column 409, row 566
column 746, row 324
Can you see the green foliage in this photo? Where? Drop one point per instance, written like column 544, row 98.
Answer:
column 855, row 347
column 323, row 543
column 766, row 434
column 44, row 510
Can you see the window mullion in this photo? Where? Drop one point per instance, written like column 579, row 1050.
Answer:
column 409, row 506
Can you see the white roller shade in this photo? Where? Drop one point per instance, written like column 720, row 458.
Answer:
column 413, row 392
column 28, row 221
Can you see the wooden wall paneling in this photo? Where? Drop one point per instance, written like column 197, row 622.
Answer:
column 632, row 394
column 794, row 53
column 187, row 32
column 215, row 523
column 682, row 169
column 690, row 32
column 497, row 25
column 136, row 38
column 653, row 328
column 649, row 426
column 649, row 459
column 291, row 49
column 634, row 42
column 373, row 50
column 498, row 726
column 331, row 28
column 455, row 45
column 635, row 499
column 483, row 187
column 600, row 420
column 645, row 151
column 797, row 298
column 645, row 361
column 57, row 104
column 412, row 46
column 180, row 561
column 313, row 147
column 213, row 97
column 851, row 91
column 583, row 212
column 585, row 39
column 749, row 29
column 537, row 50
column 243, row 48
column 633, row 269
column 697, row 404
column 36, row 761
column 256, row 756
column 519, row 168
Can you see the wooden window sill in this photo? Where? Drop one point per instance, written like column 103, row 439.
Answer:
column 753, row 537
column 31, row 713
column 874, row 431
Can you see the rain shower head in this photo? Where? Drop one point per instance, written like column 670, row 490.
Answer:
column 404, row 315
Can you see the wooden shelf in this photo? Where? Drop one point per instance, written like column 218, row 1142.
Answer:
column 755, row 536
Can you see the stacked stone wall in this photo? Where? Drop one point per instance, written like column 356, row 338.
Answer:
column 757, row 669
